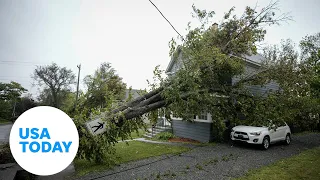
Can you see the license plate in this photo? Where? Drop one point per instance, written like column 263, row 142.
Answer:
column 240, row 136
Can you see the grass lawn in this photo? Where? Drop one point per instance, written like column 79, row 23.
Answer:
column 302, row 166
column 134, row 151
column 134, row 134
column 3, row 121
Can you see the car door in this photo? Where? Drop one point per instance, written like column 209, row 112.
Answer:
column 281, row 131
column 274, row 133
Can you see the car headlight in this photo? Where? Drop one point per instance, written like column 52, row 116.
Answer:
column 256, row 133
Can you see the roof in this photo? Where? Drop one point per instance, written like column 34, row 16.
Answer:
column 255, row 59
column 135, row 93
column 173, row 59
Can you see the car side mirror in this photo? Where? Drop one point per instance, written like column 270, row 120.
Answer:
column 273, row 127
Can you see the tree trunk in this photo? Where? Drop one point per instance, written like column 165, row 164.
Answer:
column 155, row 100
column 55, row 98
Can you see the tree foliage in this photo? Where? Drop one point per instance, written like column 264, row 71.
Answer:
column 310, row 47
column 210, row 58
column 56, row 81
column 10, row 94
column 297, row 103
column 24, row 104
column 103, row 87
column 11, row 91
column 66, row 99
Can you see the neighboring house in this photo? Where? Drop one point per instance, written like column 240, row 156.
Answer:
column 135, row 93
column 201, row 129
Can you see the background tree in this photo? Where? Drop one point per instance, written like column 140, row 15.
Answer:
column 25, row 103
column 66, row 98
column 56, row 80
column 103, row 87
column 310, row 48
column 10, row 94
column 297, row 102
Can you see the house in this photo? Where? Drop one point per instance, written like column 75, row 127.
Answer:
column 135, row 93
column 201, row 128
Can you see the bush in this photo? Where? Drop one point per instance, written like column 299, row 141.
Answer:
column 164, row 136
column 5, row 154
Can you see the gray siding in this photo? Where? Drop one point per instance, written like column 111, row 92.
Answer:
column 263, row 90
column 256, row 90
column 175, row 64
column 199, row 131
column 202, row 131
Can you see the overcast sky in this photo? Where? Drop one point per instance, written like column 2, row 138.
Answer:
column 131, row 35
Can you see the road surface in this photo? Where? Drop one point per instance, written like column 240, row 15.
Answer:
column 222, row 161
column 4, row 133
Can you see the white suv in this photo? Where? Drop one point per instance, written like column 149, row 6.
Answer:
column 262, row 135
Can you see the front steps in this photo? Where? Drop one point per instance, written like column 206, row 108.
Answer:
column 157, row 130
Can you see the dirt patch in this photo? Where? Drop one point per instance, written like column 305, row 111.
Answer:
column 180, row 139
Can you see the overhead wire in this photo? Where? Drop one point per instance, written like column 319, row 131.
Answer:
column 24, row 63
column 167, row 20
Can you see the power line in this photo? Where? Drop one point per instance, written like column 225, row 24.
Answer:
column 17, row 64
column 28, row 62
column 14, row 77
column 24, row 81
column 166, row 19
column 24, row 63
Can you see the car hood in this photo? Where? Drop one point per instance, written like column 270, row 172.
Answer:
column 249, row 128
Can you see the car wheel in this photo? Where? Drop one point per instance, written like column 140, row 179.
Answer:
column 266, row 143
column 288, row 139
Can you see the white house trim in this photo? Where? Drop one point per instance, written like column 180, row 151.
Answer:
column 209, row 120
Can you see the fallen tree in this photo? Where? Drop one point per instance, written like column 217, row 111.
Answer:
column 210, row 57
column 204, row 48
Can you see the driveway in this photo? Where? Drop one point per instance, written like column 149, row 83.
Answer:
column 222, row 161
column 5, row 132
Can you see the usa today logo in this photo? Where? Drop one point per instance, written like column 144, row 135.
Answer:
column 44, row 140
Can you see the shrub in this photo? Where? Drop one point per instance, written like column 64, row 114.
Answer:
column 164, row 136
column 5, row 154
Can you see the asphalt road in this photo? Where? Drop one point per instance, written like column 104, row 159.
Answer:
column 222, row 161
column 4, row 133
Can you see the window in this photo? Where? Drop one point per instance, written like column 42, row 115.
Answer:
column 174, row 115
column 203, row 116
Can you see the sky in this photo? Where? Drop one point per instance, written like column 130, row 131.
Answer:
column 131, row 35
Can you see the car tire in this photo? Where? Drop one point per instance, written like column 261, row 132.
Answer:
column 287, row 141
column 265, row 143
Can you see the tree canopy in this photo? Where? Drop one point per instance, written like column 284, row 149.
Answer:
column 55, row 79
column 103, row 87
column 10, row 94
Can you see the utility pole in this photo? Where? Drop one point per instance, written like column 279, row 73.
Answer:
column 79, row 68
column 14, row 109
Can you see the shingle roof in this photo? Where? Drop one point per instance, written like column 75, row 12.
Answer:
column 135, row 93
column 254, row 59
